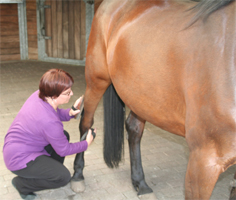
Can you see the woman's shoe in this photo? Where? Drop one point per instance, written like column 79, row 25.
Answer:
column 29, row 196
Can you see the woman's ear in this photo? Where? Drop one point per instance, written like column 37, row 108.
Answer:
column 54, row 97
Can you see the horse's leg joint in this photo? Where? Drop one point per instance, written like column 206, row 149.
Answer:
column 134, row 127
column 78, row 176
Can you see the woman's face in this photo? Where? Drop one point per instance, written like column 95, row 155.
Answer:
column 64, row 97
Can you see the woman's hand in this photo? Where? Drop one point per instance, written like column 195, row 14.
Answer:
column 76, row 105
column 89, row 137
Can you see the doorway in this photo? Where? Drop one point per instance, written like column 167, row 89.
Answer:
column 63, row 30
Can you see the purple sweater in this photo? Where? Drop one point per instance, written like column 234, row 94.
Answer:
column 36, row 125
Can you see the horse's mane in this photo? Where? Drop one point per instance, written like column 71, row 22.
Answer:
column 205, row 7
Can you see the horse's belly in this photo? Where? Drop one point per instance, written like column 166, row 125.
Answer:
column 153, row 105
column 151, row 90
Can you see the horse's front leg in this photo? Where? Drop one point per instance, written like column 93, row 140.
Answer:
column 77, row 181
column 204, row 168
column 91, row 99
column 134, row 127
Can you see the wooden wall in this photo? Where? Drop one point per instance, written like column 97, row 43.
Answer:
column 31, row 14
column 65, row 23
column 9, row 32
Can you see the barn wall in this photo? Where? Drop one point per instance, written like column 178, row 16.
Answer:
column 73, row 42
column 9, row 32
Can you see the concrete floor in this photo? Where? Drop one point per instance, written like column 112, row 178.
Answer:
column 164, row 155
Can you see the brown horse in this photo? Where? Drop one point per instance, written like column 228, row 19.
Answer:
column 172, row 62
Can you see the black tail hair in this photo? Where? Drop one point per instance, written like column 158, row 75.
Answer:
column 205, row 7
column 114, row 117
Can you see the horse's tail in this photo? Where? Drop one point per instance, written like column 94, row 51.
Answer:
column 205, row 7
column 114, row 117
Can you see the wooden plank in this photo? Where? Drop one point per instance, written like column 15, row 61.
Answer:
column 10, row 57
column 77, row 30
column 10, row 38
column 6, row 24
column 32, row 19
column 32, row 31
column 9, row 51
column 33, row 50
column 54, row 28
column 32, row 25
column 59, row 30
column 31, row 13
column 8, row 6
column 11, row 30
column 65, row 29
column 9, row 19
column 83, row 30
column 9, row 44
column 33, row 44
column 8, row 10
column 32, row 38
column 33, row 56
column 71, row 43
column 31, row 5
column 8, row 13
column 48, row 28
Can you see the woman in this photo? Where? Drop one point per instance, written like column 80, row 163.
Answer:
column 36, row 143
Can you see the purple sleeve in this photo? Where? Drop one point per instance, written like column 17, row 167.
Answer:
column 64, row 114
column 56, row 137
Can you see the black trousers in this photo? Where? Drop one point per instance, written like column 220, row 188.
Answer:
column 43, row 173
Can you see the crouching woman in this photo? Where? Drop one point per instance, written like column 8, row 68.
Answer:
column 36, row 144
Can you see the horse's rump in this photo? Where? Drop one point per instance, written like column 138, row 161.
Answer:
column 149, row 46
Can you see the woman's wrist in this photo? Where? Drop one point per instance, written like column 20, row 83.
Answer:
column 70, row 113
column 73, row 111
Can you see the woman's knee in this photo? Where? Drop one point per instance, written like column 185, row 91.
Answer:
column 64, row 178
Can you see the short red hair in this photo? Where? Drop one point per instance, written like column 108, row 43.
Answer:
column 54, row 82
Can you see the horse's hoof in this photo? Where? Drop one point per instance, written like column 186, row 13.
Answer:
column 142, row 188
column 77, row 186
column 150, row 196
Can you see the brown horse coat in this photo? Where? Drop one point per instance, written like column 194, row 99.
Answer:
column 180, row 78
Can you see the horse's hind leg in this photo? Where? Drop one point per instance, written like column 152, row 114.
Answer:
column 134, row 127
